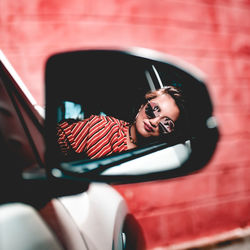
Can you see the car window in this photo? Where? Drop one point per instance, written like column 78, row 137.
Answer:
column 33, row 130
column 19, row 136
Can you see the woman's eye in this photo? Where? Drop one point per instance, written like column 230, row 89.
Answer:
column 156, row 108
column 168, row 123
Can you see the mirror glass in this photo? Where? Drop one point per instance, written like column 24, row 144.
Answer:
column 109, row 107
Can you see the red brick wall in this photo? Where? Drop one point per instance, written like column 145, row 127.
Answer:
column 212, row 35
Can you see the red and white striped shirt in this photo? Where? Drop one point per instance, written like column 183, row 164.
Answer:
column 97, row 136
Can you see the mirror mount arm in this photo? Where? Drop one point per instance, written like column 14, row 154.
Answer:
column 31, row 185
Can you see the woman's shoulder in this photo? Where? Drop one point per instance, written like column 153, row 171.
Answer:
column 108, row 119
column 117, row 121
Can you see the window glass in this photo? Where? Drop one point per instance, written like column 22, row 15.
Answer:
column 33, row 132
column 18, row 136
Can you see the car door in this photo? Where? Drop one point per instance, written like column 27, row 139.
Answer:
column 62, row 222
column 21, row 135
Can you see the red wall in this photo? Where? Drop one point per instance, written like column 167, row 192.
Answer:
column 212, row 35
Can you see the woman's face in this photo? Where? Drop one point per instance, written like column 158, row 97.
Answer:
column 157, row 116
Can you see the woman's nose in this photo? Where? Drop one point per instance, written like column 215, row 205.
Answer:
column 155, row 121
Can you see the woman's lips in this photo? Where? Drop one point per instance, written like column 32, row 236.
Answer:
column 147, row 127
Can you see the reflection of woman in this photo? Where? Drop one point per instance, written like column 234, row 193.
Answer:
column 99, row 136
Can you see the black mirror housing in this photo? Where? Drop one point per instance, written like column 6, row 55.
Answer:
column 112, row 82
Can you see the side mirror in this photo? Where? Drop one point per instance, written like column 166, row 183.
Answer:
column 113, row 83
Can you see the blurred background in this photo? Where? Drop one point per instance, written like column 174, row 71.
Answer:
column 213, row 35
